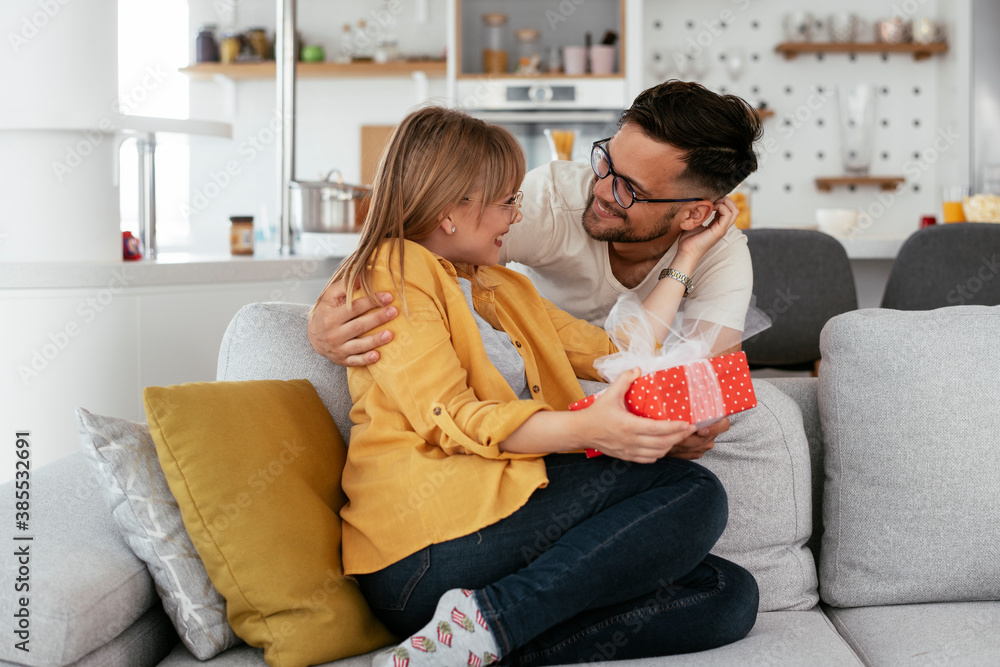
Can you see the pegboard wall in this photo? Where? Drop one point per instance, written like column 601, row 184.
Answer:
column 730, row 47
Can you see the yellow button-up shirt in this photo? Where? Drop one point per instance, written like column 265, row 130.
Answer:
column 424, row 464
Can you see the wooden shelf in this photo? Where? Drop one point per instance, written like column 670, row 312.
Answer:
column 827, row 183
column 265, row 70
column 920, row 51
column 512, row 77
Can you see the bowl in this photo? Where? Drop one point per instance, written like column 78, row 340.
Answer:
column 836, row 221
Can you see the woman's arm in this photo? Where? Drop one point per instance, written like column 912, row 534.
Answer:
column 606, row 426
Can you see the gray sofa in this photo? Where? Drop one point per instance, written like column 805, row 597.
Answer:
column 866, row 502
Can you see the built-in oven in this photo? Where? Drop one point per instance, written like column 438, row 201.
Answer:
column 581, row 127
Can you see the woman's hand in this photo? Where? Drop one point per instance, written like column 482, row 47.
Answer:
column 696, row 242
column 616, row 432
column 338, row 332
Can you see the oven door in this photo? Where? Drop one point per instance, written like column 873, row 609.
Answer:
column 529, row 127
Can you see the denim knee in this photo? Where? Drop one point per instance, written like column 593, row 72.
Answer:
column 742, row 598
column 714, row 503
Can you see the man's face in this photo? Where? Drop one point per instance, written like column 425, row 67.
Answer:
column 653, row 168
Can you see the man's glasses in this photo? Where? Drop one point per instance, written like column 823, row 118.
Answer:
column 514, row 204
column 624, row 193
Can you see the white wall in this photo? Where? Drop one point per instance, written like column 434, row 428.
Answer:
column 98, row 347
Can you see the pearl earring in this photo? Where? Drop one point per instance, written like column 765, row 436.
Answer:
column 453, row 229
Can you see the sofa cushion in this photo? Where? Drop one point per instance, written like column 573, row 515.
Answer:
column 763, row 462
column 255, row 468
column 908, row 403
column 791, row 638
column 85, row 585
column 136, row 491
column 944, row 633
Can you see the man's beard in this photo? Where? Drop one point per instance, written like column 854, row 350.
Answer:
column 625, row 233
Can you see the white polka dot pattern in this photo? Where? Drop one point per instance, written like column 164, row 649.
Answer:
column 666, row 395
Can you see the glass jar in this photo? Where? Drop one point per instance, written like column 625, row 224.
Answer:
column 206, row 48
column 529, row 55
column 241, row 234
column 229, row 47
column 741, row 197
column 494, row 44
column 259, row 45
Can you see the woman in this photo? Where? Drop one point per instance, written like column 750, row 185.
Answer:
column 471, row 526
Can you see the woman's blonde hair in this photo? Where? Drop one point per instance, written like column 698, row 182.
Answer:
column 434, row 157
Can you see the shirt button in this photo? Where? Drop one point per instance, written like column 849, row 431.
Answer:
column 535, row 389
column 518, row 343
column 437, row 411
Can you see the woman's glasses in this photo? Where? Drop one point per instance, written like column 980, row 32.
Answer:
column 514, row 204
column 624, row 193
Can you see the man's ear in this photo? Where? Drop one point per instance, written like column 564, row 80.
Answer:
column 696, row 215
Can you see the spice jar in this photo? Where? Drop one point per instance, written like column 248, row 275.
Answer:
column 241, row 234
column 494, row 50
column 229, row 48
column 259, row 45
column 206, row 48
column 529, row 56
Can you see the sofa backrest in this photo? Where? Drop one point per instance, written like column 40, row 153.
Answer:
column 268, row 341
column 909, row 409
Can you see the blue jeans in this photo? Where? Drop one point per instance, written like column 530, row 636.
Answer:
column 608, row 562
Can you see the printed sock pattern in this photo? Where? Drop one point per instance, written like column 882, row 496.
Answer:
column 456, row 636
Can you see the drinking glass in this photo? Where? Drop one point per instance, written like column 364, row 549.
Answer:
column 951, row 203
column 856, row 112
column 560, row 143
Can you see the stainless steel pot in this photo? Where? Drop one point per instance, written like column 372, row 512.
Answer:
column 327, row 206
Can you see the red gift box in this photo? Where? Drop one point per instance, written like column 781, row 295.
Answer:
column 667, row 394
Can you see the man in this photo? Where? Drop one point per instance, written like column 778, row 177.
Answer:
column 591, row 233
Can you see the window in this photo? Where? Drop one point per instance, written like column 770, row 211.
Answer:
column 153, row 42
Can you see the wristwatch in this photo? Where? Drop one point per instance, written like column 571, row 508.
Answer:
column 679, row 277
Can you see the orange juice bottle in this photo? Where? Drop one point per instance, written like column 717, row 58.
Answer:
column 741, row 197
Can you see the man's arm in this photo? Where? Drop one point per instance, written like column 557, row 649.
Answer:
column 341, row 333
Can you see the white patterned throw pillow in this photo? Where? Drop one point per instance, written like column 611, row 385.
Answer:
column 124, row 456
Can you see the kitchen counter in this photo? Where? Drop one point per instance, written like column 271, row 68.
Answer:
column 168, row 269
column 319, row 258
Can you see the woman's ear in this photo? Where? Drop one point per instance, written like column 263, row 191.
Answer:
column 696, row 215
column 445, row 221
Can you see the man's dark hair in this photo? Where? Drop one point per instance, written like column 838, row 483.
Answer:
column 715, row 132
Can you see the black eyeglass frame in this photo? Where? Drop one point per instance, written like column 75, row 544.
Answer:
column 606, row 156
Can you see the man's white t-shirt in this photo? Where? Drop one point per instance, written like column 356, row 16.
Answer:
column 574, row 271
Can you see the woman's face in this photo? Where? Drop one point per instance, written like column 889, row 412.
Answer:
column 476, row 241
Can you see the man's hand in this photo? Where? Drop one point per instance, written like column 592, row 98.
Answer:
column 338, row 332
column 698, row 241
column 695, row 445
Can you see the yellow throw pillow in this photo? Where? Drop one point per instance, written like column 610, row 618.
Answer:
column 255, row 468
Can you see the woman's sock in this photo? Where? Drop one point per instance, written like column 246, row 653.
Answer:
column 457, row 635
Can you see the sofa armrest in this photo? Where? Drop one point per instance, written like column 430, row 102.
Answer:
column 76, row 584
